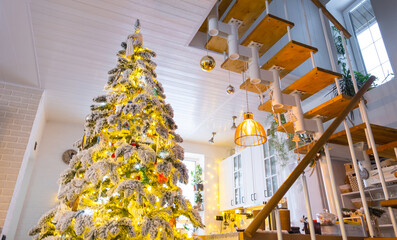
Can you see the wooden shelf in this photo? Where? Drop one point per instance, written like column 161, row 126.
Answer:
column 246, row 11
column 217, row 44
column 267, row 107
column 236, row 66
column 312, row 82
column 255, row 88
column 269, row 31
column 290, row 57
column 386, row 150
column 382, row 135
column 287, row 128
column 330, row 109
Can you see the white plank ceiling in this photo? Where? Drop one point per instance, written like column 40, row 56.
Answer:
column 76, row 42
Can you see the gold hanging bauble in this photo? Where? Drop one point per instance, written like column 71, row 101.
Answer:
column 207, row 63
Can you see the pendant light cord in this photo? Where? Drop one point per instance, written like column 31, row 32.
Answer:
column 246, row 92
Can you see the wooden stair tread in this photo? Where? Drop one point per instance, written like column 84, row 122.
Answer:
column 267, row 107
column 312, row 82
column 290, row 57
column 217, row 44
column 246, row 11
column 389, row 203
column 255, row 88
column 330, row 109
column 385, row 150
column 382, row 135
column 237, row 66
column 287, row 128
column 269, row 31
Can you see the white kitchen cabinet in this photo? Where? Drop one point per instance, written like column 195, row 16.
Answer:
column 226, row 184
column 241, row 179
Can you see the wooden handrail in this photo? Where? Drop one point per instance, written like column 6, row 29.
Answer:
column 264, row 213
column 332, row 18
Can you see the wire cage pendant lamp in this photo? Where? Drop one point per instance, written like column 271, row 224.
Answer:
column 249, row 133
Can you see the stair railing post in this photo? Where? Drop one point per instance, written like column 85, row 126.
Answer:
column 372, row 144
column 326, row 37
column 334, row 190
column 278, row 225
column 286, row 18
column 308, row 208
column 267, row 7
column 359, row 180
column 356, row 170
column 309, row 39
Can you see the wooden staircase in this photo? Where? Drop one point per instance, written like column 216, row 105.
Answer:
column 263, row 33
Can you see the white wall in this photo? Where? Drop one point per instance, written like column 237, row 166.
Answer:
column 43, row 187
column 385, row 13
column 25, row 171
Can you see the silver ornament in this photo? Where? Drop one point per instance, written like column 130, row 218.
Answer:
column 230, row 89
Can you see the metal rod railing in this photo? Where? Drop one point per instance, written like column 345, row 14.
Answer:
column 371, row 143
column 278, row 195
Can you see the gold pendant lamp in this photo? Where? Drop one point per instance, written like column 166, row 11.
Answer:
column 249, row 133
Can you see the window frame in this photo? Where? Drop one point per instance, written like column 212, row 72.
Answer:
column 355, row 47
column 357, row 57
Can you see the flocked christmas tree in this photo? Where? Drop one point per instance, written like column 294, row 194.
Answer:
column 122, row 184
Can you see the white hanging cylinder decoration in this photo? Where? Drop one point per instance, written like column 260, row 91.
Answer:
column 299, row 124
column 253, row 66
column 276, row 91
column 213, row 29
column 232, row 41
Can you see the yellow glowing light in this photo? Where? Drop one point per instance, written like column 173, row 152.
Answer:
column 249, row 132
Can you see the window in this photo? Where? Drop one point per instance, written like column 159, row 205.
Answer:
column 271, row 184
column 368, row 43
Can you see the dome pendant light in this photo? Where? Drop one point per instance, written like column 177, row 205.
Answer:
column 249, row 133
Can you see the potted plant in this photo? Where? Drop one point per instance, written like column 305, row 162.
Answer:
column 197, row 178
column 197, row 182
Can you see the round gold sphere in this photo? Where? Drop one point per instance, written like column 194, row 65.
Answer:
column 207, row 63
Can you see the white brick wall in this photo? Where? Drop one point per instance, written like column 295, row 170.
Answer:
column 18, row 106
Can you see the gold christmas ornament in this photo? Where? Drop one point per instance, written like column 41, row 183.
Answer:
column 230, row 89
column 207, row 63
